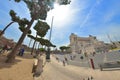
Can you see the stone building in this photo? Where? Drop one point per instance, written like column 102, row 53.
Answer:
column 9, row 42
column 4, row 41
column 85, row 44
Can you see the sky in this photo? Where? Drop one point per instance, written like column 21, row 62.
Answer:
column 81, row 17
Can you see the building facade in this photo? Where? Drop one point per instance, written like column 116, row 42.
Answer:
column 85, row 44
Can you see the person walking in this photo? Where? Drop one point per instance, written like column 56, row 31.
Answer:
column 63, row 63
column 66, row 60
column 81, row 57
column 21, row 52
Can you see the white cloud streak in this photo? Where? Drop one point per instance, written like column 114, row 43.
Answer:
column 90, row 13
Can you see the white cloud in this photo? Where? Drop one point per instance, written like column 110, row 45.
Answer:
column 64, row 16
column 90, row 12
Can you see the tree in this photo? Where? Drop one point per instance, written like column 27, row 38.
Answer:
column 38, row 10
column 22, row 23
column 33, row 45
column 31, row 38
column 41, row 30
column 42, row 49
column 64, row 48
column 5, row 28
column 45, row 42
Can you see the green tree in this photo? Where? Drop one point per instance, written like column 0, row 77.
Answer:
column 64, row 48
column 38, row 10
column 42, row 49
column 41, row 30
column 45, row 42
column 31, row 38
column 33, row 45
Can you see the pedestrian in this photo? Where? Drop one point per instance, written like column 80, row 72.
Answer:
column 81, row 57
column 74, row 57
column 63, row 63
column 71, row 57
column 57, row 59
column 21, row 52
column 94, row 53
column 66, row 60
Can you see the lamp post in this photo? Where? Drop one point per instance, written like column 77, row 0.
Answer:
column 48, row 49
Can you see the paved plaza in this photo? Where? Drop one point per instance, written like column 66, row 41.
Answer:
column 55, row 70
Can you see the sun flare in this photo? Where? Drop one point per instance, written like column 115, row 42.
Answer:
column 60, row 13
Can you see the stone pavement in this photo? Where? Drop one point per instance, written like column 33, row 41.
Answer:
column 84, row 73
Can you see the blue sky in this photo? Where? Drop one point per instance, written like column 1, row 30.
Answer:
column 82, row 17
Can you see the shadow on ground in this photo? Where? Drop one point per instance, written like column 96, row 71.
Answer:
column 26, row 55
column 7, row 65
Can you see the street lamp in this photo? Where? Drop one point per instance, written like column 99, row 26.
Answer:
column 48, row 49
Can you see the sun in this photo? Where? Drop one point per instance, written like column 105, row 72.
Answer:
column 60, row 13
